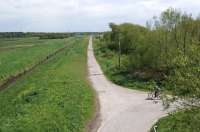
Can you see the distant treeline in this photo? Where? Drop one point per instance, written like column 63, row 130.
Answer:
column 42, row 35
column 54, row 35
column 12, row 34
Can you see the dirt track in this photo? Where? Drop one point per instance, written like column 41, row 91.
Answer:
column 121, row 109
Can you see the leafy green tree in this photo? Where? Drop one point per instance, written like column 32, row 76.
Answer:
column 168, row 48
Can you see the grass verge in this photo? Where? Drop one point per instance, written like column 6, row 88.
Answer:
column 182, row 121
column 56, row 96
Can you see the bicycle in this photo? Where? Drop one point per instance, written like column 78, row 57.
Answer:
column 153, row 95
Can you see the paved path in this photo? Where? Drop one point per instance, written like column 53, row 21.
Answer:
column 121, row 109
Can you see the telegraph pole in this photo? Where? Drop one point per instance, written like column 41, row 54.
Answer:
column 119, row 53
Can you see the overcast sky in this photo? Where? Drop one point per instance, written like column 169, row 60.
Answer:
column 82, row 15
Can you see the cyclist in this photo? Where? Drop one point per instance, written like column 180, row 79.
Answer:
column 156, row 91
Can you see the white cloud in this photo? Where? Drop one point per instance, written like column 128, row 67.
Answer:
column 82, row 15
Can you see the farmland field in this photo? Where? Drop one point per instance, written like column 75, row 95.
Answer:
column 9, row 42
column 55, row 96
column 16, row 55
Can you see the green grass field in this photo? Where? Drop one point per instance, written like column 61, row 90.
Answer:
column 11, row 42
column 18, row 59
column 54, row 97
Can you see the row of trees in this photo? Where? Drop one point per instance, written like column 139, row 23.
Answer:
column 11, row 34
column 169, row 45
column 54, row 35
column 32, row 34
column 43, row 35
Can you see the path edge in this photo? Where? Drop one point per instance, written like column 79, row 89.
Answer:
column 95, row 121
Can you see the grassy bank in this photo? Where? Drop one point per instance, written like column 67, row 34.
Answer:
column 56, row 96
column 182, row 121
